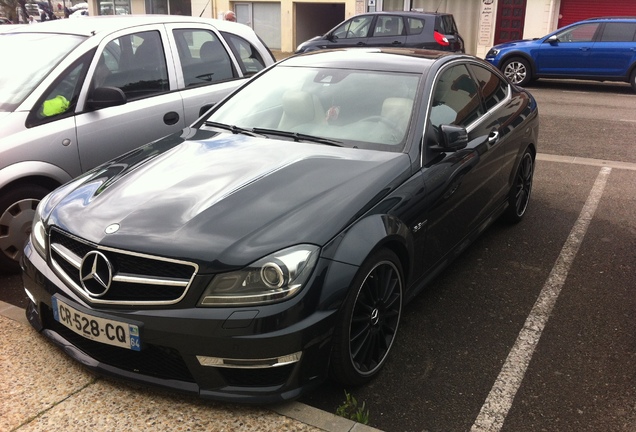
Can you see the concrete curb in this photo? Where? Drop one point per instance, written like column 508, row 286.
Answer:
column 297, row 411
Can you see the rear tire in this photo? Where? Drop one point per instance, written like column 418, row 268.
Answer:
column 368, row 324
column 519, row 195
column 518, row 71
column 632, row 79
column 17, row 209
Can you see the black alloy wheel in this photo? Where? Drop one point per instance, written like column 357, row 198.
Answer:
column 519, row 196
column 369, row 323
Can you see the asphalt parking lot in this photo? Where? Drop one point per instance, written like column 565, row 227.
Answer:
column 533, row 328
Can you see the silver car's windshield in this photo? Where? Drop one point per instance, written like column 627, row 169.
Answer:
column 363, row 108
column 27, row 59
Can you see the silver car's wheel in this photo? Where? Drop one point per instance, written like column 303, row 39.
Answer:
column 369, row 323
column 517, row 70
column 17, row 209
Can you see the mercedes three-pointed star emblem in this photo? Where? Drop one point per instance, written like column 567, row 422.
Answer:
column 96, row 274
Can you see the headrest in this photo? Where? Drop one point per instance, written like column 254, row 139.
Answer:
column 212, row 52
column 298, row 106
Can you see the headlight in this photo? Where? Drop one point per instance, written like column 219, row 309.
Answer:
column 38, row 231
column 492, row 53
column 273, row 278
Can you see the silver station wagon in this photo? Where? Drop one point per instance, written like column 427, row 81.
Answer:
column 77, row 93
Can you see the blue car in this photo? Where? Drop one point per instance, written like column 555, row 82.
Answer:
column 600, row 49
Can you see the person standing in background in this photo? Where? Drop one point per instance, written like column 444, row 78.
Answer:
column 229, row 16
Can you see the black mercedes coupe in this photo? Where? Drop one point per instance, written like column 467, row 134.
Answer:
column 276, row 241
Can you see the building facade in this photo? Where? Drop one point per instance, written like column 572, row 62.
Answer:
column 285, row 24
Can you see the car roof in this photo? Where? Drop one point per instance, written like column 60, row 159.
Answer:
column 407, row 13
column 611, row 18
column 379, row 59
column 93, row 25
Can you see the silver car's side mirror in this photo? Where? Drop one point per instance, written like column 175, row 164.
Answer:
column 104, row 97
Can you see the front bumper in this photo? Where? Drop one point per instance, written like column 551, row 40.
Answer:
column 230, row 354
column 493, row 61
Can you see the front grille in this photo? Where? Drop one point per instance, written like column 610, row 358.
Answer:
column 152, row 360
column 136, row 278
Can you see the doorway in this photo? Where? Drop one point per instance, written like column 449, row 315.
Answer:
column 511, row 15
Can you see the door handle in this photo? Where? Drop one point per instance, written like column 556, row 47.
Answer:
column 171, row 118
column 493, row 137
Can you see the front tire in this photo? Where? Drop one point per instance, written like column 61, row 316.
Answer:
column 368, row 324
column 518, row 71
column 519, row 195
column 17, row 209
column 632, row 79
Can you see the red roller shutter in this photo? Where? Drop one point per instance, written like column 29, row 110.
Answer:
column 576, row 10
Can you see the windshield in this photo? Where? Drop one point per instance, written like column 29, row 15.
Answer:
column 362, row 108
column 30, row 57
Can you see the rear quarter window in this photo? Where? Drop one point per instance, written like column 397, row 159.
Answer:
column 415, row 26
column 493, row 89
column 247, row 54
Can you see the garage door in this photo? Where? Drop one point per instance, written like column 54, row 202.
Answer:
column 267, row 23
column 576, row 10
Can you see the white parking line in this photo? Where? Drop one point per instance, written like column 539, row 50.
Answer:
column 586, row 161
column 495, row 409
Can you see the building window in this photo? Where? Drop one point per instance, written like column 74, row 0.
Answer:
column 169, row 7
column 113, row 7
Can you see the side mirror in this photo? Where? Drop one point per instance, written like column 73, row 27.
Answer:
column 205, row 108
column 552, row 40
column 452, row 138
column 104, row 97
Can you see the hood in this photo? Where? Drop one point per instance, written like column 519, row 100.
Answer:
column 516, row 43
column 316, row 40
column 225, row 200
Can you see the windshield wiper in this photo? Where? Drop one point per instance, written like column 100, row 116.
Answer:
column 298, row 136
column 233, row 129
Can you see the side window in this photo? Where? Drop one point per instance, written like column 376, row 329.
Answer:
column 455, row 98
column 415, row 26
column 204, row 59
column 619, row 32
column 579, row 33
column 354, row 28
column 389, row 25
column 61, row 98
column 135, row 63
column 248, row 56
column 493, row 88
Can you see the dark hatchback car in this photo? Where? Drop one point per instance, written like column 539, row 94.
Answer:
column 399, row 29
column 277, row 240
column 600, row 49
